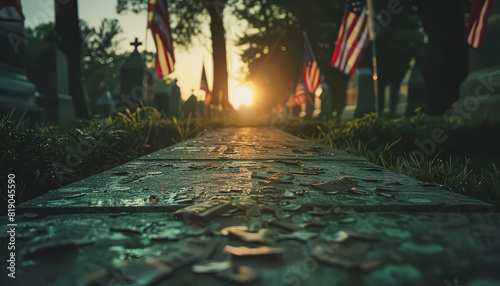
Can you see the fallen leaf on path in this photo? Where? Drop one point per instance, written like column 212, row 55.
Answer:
column 341, row 185
column 248, row 251
column 291, row 207
column 348, row 220
column 339, row 236
column 302, row 235
column 262, row 236
column 225, row 231
column 288, row 163
column 204, row 211
column 211, row 266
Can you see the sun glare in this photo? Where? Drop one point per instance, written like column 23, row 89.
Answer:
column 240, row 95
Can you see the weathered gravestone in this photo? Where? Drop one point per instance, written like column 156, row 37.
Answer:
column 480, row 92
column 308, row 107
column 360, row 96
column 191, row 106
column 411, row 92
column 391, row 95
column 132, row 79
column 16, row 91
column 161, row 92
column 53, row 85
column 200, row 105
column 174, row 99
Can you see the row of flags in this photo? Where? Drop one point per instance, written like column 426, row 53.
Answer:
column 351, row 44
column 354, row 37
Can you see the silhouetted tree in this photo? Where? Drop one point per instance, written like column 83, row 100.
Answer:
column 99, row 58
column 447, row 54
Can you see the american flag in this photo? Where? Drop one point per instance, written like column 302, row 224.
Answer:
column 478, row 20
column 300, row 94
column 353, row 37
column 159, row 24
column 204, row 86
column 310, row 69
column 11, row 10
column 204, row 83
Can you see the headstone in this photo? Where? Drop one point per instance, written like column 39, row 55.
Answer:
column 201, row 108
column 411, row 92
column 16, row 91
column 480, row 92
column 132, row 78
column 309, row 104
column 326, row 100
column 53, row 85
column 360, row 96
column 175, row 100
column 191, row 106
column 161, row 95
column 391, row 97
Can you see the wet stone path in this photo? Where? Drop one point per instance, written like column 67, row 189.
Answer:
column 254, row 206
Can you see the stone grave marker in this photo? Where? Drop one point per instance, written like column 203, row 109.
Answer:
column 132, row 77
column 411, row 92
column 326, row 100
column 191, row 106
column 53, row 84
column 16, row 91
column 360, row 95
column 390, row 98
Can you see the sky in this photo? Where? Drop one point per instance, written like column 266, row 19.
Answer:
column 188, row 62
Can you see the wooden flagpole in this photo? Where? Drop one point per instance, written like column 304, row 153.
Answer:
column 374, row 51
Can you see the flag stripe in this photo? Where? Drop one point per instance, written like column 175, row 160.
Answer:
column 478, row 21
column 353, row 37
column 310, row 68
column 159, row 24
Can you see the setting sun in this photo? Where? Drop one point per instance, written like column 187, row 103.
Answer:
column 240, row 95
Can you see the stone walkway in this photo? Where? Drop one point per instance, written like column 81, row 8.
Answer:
column 312, row 215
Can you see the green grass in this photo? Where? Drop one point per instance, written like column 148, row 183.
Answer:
column 467, row 162
column 49, row 157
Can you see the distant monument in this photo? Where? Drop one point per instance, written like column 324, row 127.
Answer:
column 16, row 91
column 391, row 97
column 480, row 92
column 175, row 100
column 411, row 92
column 191, row 106
column 132, row 80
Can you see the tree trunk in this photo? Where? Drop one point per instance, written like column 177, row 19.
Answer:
column 220, row 92
column 68, row 29
column 448, row 54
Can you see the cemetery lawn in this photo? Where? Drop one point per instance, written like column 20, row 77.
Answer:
column 461, row 156
column 49, row 157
